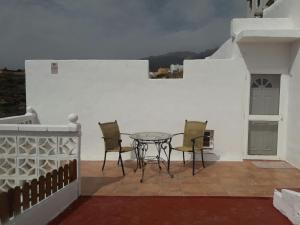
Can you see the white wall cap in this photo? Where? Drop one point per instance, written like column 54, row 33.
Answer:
column 74, row 127
column 73, row 118
column 287, row 192
column 58, row 128
column 8, row 127
column 264, row 24
column 30, row 109
column 268, row 35
column 32, row 127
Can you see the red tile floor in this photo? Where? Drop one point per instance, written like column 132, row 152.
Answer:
column 171, row 211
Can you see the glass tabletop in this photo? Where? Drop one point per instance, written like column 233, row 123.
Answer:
column 150, row 136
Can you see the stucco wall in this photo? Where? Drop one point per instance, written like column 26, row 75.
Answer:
column 224, row 52
column 100, row 90
column 264, row 24
column 293, row 140
column 266, row 58
column 284, row 9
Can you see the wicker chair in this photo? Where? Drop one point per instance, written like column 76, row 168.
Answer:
column 113, row 141
column 193, row 138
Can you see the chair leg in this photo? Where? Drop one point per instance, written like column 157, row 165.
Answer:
column 104, row 161
column 118, row 161
column 169, row 158
column 120, row 158
column 193, row 163
column 202, row 159
column 183, row 158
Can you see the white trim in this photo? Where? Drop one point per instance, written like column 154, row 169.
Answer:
column 246, row 114
column 262, row 157
column 267, row 118
column 283, row 110
column 281, row 119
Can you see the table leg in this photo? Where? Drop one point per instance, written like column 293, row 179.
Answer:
column 163, row 146
column 158, row 146
column 169, row 156
column 142, row 151
column 137, row 146
column 144, row 148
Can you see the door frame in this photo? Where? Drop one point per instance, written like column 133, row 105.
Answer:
column 281, row 118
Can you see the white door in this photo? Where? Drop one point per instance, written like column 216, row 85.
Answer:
column 264, row 115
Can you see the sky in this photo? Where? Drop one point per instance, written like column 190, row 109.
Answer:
column 111, row 29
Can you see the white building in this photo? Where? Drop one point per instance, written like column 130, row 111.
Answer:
column 176, row 68
column 256, row 7
column 247, row 91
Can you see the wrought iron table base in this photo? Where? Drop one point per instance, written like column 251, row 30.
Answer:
column 142, row 148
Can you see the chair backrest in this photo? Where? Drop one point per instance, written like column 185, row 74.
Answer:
column 111, row 134
column 194, row 129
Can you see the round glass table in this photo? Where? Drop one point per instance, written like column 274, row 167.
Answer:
column 161, row 140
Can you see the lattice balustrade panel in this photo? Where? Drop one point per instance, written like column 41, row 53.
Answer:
column 68, row 146
column 8, row 145
column 27, row 167
column 23, row 158
column 6, row 184
column 62, row 163
column 47, row 146
column 8, row 166
column 27, row 146
column 46, row 165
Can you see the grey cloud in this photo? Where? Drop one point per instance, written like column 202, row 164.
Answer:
column 110, row 29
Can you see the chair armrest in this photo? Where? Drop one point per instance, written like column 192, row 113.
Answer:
column 120, row 140
column 106, row 138
column 173, row 135
column 194, row 139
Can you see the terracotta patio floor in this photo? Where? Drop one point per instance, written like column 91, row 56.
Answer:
column 217, row 179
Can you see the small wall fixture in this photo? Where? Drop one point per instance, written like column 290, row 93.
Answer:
column 54, row 68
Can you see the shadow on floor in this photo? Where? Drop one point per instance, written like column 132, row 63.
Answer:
column 96, row 183
column 189, row 166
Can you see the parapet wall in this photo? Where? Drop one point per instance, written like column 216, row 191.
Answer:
column 105, row 90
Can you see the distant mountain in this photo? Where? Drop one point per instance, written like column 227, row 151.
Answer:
column 166, row 60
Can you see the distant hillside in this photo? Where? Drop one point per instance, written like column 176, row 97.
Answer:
column 12, row 93
column 166, row 60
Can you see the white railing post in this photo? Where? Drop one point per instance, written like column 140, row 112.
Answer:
column 73, row 118
column 32, row 113
column 31, row 117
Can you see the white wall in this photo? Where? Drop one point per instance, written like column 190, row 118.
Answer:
column 284, row 9
column 221, row 84
column 262, row 24
column 100, row 90
column 269, row 58
column 293, row 140
column 266, row 58
column 224, row 52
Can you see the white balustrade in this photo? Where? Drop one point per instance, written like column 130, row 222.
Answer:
column 29, row 150
column 29, row 118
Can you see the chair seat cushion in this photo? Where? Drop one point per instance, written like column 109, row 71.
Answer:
column 186, row 149
column 124, row 149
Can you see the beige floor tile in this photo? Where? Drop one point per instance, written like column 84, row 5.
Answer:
column 217, row 179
